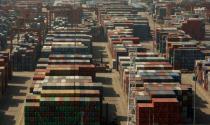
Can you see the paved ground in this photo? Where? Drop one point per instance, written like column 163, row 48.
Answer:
column 113, row 94
column 11, row 105
column 202, row 101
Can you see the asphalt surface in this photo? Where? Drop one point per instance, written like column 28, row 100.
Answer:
column 202, row 101
column 12, row 103
column 112, row 91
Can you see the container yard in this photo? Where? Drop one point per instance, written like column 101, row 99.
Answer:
column 87, row 62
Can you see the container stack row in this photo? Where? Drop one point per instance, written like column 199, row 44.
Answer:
column 123, row 28
column 25, row 54
column 158, row 95
column 5, row 71
column 121, row 15
column 202, row 73
column 195, row 27
column 90, row 20
column 6, row 20
column 182, row 55
column 28, row 9
column 164, row 35
column 149, row 70
column 121, row 44
column 163, row 104
column 64, row 90
column 179, row 48
column 163, row 10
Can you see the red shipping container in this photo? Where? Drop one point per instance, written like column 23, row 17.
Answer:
column 144, row 114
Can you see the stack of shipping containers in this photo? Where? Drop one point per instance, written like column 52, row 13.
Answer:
column 15, row 55
column 179, row 48
column 6, row 20
column 164, row 9
column 5, row 71
column 195, row 27
column 160, row 96
column 27, row 34
column 123, row 28
column 24, row 55
column 64, row 90
column 202, row 73
column 67, row 85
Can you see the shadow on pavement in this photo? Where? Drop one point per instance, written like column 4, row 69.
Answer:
column 109, row 92
column 112, row 115
column 99, row 51
column 10, row 102
column 202, row 118
column 19, row 80
column 104, row 80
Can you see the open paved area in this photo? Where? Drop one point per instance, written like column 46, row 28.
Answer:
column 11, row 105
column 202, row 101
column 113, row 94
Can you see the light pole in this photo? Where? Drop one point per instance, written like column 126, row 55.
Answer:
column 154, row 35
column 194, row 99
column 194, row 115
